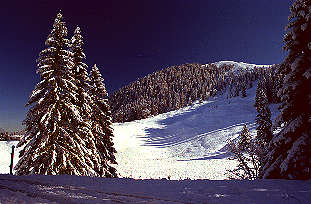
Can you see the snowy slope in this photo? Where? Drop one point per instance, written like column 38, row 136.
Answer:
column 187, row 143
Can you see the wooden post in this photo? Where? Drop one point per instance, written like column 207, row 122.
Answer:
column 12, row 156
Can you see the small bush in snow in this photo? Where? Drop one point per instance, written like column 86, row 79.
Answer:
column 247, row 153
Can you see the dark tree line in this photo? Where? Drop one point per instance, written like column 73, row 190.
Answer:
column 178, row 86
column 6, row 135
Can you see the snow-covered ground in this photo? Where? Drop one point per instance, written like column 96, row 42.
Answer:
column 74, row 189
column 5, row 155
column 187, row 143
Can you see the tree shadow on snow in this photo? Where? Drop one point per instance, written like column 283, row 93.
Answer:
column 221, row 155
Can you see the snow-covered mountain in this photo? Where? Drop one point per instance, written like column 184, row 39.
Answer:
column 189, row 143
column 185, row 143
column 179, row 86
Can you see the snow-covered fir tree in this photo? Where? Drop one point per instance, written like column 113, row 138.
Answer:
column 245, row 139
column 290, row 150
column 80, row 74
column 102, row 124
column 264, row 123
column 57, row 140
column 263, row 118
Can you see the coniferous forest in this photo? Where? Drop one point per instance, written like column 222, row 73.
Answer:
column 178, row 86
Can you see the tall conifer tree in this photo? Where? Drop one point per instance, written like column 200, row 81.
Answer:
column 290, row 150
column 263, row 118
column 53, row 144
column 264, row 123
column 245, row 139
column 80, row 74
column 102, row 124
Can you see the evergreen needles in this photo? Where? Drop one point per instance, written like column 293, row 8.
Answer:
column 60, row 135
column 289, row 151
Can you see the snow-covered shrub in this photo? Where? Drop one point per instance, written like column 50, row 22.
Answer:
column 246, row 151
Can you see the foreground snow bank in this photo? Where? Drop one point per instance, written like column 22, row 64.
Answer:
column 74, row 189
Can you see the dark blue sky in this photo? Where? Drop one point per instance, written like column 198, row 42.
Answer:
column 130, row 39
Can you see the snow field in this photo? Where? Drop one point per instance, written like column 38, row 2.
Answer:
column 186, row 143
column 145, row 162
column 82, row 189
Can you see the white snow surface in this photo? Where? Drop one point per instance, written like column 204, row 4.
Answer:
column 75, row 189
column 5, row 155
